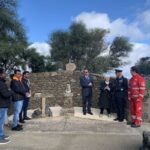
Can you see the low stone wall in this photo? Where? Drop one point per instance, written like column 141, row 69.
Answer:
column 55, row 83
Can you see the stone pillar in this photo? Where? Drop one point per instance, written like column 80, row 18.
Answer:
column 68, row 100
column 43, row 106
column 43, row 98
column 68, row 103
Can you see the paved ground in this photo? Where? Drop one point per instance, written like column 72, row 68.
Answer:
column 71, row 133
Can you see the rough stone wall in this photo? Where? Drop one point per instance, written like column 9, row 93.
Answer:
column 55, row 83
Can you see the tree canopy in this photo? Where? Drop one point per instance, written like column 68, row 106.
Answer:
column 143, row 66
column 86, row 48
column 12, row 35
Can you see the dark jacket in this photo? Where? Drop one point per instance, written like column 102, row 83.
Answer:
column 121, row 87
column 18, row 89
column 105, row 95
column 26, row 84
column 86, row 89
column 5, row 94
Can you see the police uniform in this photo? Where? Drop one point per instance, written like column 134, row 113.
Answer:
column 121, row 93
column 136, row 93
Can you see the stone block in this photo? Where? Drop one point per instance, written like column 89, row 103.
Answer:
column 56, row 111
column 70, row 67
column 37, row 113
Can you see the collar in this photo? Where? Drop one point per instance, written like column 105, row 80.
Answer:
column 17, row 78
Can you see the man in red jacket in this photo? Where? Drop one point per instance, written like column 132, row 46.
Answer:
column 136, row 91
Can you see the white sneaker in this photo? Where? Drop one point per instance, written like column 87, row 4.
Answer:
column 6, row 137
column 4, row 141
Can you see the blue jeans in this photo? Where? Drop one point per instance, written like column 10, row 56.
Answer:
column 23, row 112
column 17, row 110
column 3, row 115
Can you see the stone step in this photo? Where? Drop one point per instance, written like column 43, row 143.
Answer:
column 76, row 112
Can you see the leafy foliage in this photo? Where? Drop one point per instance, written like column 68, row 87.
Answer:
column 12, row 35
column 86, row 48
column 144, row 66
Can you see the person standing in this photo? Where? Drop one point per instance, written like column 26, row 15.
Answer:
column 105, row 96
column 26, row 82
column 121, row 94
column 86, row 83
column 19, row 95
column 136, row 93
column 5, row 99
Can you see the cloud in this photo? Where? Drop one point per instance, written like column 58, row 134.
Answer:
column 135, row 30
column 144, row 18
column 147, row 2
column 139, row 50
column 94, row 20
column 117, row 27
column 42, row 48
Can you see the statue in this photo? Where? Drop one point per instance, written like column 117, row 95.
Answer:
column 68, row 97
column 68, row 89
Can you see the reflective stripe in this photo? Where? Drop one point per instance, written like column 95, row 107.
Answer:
column 143, row 84
column 135, row 88
column 133, row 117
column 135, row 95
column 142, row 88
column 141, row 95
column 139, row 118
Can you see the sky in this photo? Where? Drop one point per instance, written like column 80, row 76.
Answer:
column 128, row 18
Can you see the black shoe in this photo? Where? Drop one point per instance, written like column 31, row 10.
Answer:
column 21, row 121
column 26, row 118
column 17, row 128
column 90, row 113
column 116, row 119
column 19, row 125
column 135, row 126
column 121, row 120
column 84, row 113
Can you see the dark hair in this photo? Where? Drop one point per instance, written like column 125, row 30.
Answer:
column 134, row 68
column 25, row 72
column 11, row 76
column 1, row 70
column 17, row 70
column 85, row 69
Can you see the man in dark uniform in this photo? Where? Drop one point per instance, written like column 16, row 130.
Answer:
column 86, row 83
column 121, row 93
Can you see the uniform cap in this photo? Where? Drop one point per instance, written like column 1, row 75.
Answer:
column 118, row 70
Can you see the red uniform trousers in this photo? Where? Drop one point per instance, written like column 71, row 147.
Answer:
column 136, row 110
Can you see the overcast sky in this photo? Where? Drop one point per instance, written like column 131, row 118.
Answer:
column 128, row 18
